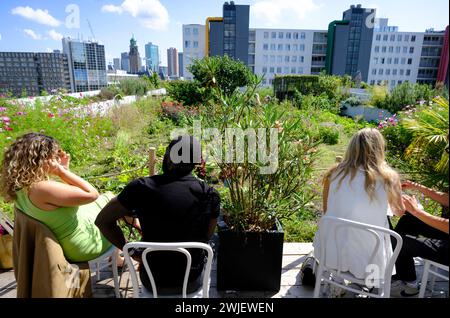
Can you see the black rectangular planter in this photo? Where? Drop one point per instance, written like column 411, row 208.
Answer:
column 249, row 260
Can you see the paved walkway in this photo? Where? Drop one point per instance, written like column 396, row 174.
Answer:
column 293, row 256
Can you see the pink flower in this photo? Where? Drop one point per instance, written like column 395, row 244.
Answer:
column 50, row 115
column 81, row 94
column 2, row 109
column 20, row 113
column 5, row 119
column 8, row 128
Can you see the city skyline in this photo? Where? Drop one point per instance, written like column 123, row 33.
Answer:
column 38, row 26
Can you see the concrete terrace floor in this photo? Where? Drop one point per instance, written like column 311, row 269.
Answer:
column 293, row 257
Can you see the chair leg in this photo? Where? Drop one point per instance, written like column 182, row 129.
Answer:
column 423, row 285
column 318, row 281
column 97, row 264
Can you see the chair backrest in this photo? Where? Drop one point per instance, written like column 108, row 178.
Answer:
column 377, row 232
column 180, row 247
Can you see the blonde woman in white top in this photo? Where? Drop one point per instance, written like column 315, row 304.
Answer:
column 362, row 188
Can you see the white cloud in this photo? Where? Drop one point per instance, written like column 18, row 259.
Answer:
column 273, row 11
column 38, row 15
column 150, row 13
column 55, row 35
column 112, row 8
column 32, row 34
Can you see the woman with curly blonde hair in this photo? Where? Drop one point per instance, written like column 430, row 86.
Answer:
column 68, row 208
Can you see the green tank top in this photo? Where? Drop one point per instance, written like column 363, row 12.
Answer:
column 74, row 227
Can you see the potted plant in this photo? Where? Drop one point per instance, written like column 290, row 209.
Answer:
column 262, row 186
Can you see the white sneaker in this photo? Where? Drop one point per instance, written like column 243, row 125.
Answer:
column 404, row 289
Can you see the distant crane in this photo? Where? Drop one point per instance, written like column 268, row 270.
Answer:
column 90, row 27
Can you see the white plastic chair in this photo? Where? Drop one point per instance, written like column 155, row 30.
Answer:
column 109, row 258
column 379, row 233
column 432, row 268
column 142, row 292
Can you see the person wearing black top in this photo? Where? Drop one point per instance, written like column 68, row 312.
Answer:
column 171, row 207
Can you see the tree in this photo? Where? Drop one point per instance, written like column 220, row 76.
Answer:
column 221, row 71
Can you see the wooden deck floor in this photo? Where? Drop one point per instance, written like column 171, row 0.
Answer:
column 293, row 256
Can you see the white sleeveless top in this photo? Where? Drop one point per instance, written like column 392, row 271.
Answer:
column 350, row 201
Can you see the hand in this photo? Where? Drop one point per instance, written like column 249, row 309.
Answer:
column 64, row 159
column 411, row 204
column 54, row 167
column 409, row 185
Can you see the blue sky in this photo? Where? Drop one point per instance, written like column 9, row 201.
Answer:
column 32, row 25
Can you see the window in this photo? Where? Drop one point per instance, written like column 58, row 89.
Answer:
column 378, row 37
column 374, row 71
column 264, row 69
column 302, row 47
column 396, row 60
column 375, row 60
column 280, row 47
column 272, row 59
column 413, row 38
column 288, row 35
column 265, row 46
column 273, row 47
column 303, row 35
column 403, row 61
column 399, row 37
column 187, row 43
column 405, row 49
column 288, row 47
column 372, row 82
column 383, row 60
column 279, row 59
column 385, row 37
column 272, row 70
column 392, row 38
column 398, row 49
column 300, row 70
column 266, row 35
column 296, row 35
column 389, row 60
column 273, row 35
column 294, row 59
column 402, row 72
column 409, row 61
column 377, row 49
column 408, row 72
column 399, row 82
column 380, row 71
column 391, row 49
column 187, row 31
column 388, row 71
column 406, row 37
column 280, row 35
column 295, row 47
column 393, row 83
column 279, row 69
column 383, row 49
column 302, row 59
column 286, row 58
column 293, row 70
column 195, row 31
column 411, row 50
column 394, row 71
column 265, row 58
column 286, row 70
column 195, row 44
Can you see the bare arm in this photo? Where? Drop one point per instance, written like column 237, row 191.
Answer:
column 440, row 197
column 211, row 227
column 107, row 222
column 436, row 222
column 395, row 199
column 326, row 190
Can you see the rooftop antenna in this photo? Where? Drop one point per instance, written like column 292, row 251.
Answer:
column 92, row 32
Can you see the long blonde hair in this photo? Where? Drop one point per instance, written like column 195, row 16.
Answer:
column 366, row 151
column 25, row 162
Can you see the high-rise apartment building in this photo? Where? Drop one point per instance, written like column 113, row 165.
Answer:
column 116, row 63
column 152, row 57
column 32, row 73
column 180, row 64
column 87, row 65
column 125, row 62
column 434, row 57
column 193, row 46
column 133, row 55
column 172, row 62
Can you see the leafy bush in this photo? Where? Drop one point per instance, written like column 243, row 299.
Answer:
column 313, row 103
column 186, row 92
column 136, row 86
column 329, row 135
column 379, row 95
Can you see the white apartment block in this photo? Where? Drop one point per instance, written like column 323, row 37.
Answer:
column 287, row 51
column 193, row 46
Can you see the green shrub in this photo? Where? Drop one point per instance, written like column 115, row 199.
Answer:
column 329, row 135
column 136, row 86
column 188, row 93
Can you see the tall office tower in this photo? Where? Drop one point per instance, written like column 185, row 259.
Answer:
column 135, row 60
column 229, row 35
column 152, row 57
column 180, row 64
column 172, row 62
column 31, row 73
column 125, row 62
column 87, row 65
column 434, row 57
column 350, row 43
column 116, row 63
column 193, row 46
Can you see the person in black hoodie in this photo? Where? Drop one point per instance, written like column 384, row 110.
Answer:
column 172, row 207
